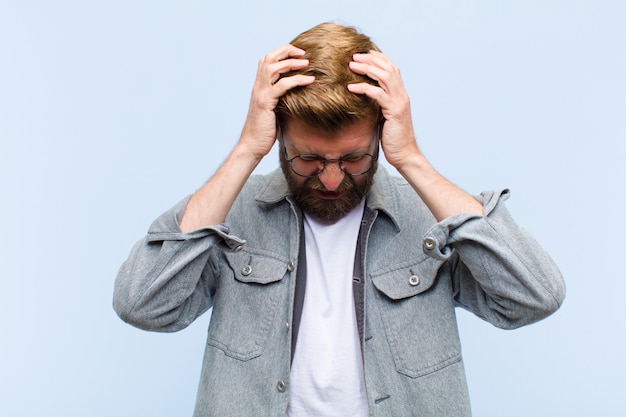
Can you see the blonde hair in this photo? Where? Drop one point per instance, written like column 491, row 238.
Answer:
column 327, row 103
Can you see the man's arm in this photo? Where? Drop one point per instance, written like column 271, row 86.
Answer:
column 169, row 276
column 443, row 198
column 211, row 203
column 503, row 275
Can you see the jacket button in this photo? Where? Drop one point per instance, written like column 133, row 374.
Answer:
column 290, row 266
column 281, row 386
column 246, row 270
column 429, row 243
column 414, row 280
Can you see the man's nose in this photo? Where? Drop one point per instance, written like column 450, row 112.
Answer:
column 331, row 176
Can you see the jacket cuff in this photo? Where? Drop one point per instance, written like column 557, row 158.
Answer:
column 435, row 241
column 167, row 227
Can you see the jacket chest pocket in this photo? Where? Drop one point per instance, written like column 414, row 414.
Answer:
column 245, row 302
column 416, row 306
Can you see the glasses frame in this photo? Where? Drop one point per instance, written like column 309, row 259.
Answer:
column 340, row 160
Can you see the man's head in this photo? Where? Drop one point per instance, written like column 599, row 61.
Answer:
column 326, row 120
column 327, row 103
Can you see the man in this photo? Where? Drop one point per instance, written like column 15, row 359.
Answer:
column 333, row 284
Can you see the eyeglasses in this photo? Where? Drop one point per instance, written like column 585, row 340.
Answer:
column 311, row 165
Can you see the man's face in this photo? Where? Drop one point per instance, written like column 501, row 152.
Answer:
column 332, row 193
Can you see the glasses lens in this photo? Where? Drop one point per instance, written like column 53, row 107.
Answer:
column 358, row 164
column 307, row 166
column 311, row 165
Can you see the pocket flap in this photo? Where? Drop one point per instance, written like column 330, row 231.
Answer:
column 406, row 279
column 258, row 267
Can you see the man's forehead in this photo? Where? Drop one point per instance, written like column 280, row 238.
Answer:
column 298, row 128
column 302, row 138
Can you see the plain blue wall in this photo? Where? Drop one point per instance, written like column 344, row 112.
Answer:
column 111, row 111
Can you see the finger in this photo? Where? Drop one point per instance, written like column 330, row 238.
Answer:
column 374, row 72
column 284, row 52
column 280, row 61
column 285, row 66
column 376, row 59
column 385, row 78
column 278, row 55
column 373, row 57
column 378, row 67
column 375, row 93
column 287, row 83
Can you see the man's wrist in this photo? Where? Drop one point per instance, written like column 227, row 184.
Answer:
column 245, row 157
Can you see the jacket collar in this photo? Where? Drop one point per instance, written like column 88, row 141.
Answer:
column 382, row 197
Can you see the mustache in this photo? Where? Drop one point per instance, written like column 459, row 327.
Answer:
column 316, row 184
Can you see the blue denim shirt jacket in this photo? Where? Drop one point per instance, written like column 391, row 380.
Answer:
column 416, row 271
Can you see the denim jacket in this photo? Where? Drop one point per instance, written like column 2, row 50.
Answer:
column 416, row 271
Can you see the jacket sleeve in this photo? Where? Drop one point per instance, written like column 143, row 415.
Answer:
column 500, row 273
column 169, row 277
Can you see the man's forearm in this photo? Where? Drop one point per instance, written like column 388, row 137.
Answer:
column 443, row 198
column 211, row 203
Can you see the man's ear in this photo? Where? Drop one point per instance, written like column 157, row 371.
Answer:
column 281, row 127
column 279, row 132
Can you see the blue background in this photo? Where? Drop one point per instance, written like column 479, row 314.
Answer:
column 110, row 112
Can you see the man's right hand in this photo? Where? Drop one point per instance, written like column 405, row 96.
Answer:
column 259, row 131
column 212, row 202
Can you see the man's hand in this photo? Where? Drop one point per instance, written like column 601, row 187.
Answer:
column 443, row 198
column 211, row 203
column 259, row 131
column 398, row 139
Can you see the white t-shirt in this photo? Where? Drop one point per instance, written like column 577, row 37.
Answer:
column 327, row 369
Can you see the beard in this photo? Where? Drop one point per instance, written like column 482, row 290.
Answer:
column 329, row 210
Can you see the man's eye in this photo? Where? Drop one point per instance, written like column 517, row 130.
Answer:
column 353, row 158
column 309, row 158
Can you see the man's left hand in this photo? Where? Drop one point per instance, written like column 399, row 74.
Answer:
column 398, row 139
